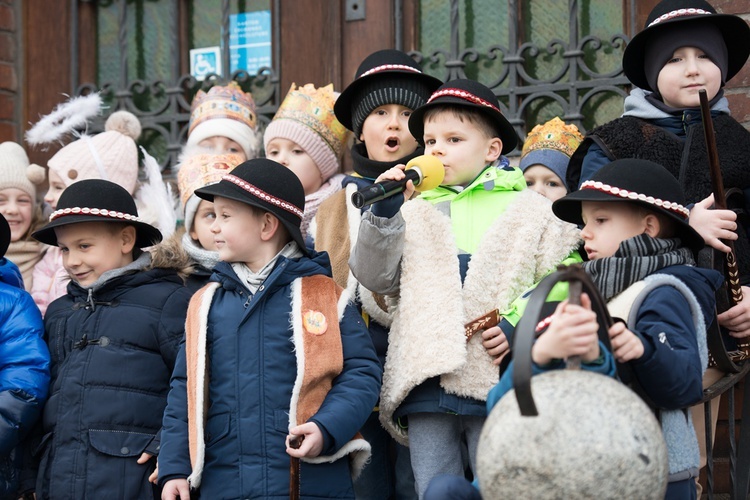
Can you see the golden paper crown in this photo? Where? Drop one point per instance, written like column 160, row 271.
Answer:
column 228, row 102
column 203, row 169
column 313, row 107
column 555, row 134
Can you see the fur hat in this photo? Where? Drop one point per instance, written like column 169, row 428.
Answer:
column 551, row 144
column 225, row 112
column 268, row 185
column 198, row 171
column 641, row 182
column 306, row 118
column 690, row 14
column 16, row 171
column 111, row 155
column 97, row 200
column 470, row 94
column 384, row 77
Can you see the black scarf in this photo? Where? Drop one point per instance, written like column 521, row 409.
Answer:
column 371, row 169
column 635, row 258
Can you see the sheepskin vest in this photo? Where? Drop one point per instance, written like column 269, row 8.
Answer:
column 427, row 337
column 337, row 235
column 687, row 160
column 317, row 308
column 677, row 425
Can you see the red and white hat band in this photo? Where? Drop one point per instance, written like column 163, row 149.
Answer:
column 462, row 94
column 259, row 193
column 678, row 13
column 389, row 67
column 631, row 195
column 100, row 212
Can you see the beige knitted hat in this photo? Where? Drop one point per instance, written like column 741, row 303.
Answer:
column 15, row 170
column 111, row 155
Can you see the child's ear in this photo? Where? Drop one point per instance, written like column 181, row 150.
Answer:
column 269, row 226
column 653, row 225
column 127, row 237
column 494, row 150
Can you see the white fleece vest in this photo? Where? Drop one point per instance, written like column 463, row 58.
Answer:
column 427, row 334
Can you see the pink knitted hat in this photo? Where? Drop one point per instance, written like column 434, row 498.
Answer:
column 15, row 170
column 306, row 118
column 111, row 155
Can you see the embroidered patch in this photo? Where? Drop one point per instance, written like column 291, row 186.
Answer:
column 315, row 322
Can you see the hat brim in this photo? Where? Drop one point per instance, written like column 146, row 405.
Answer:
column 508, row 134
column 568, row 209
column 342, row 108
column 228, row 190
column 4, row 236
column 734, row 30
column 146, row 234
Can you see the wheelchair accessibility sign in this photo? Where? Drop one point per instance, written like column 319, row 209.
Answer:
column 205, row 61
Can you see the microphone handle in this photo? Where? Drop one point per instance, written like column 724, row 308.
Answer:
column 385, row 189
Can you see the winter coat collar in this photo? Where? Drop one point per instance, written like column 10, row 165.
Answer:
column 10, row 274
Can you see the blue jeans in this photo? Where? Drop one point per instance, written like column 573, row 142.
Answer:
column 436, row 443
column 447, row 487
column 388, row 475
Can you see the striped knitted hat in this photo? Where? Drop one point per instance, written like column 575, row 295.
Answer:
column 384, row 77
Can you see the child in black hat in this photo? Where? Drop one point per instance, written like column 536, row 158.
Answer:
column 113, row 341
column 685, row 46
column 640, row 249
column 24, row 371
column 376, row 106
column 273, row 350
column 467, row 247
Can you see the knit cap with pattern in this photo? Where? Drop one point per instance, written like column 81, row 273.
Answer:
column 15, row 170
column 225, row 111
column 306, row 118
column 111, row 155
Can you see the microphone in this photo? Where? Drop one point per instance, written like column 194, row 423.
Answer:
column 426, row 172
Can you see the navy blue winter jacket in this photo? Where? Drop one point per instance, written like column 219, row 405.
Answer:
column 24, row 371
column 113, row 349
column 252, row 369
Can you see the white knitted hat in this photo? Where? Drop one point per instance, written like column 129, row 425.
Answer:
column 111, row 155
column 15, row 170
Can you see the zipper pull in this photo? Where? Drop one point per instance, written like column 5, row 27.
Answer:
column 90, row 300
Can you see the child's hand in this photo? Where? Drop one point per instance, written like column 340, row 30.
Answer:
column 396, row 174
column 145, row 457
column 493, row 339
column 713, row 225
column 626, row 345
column 737, row 318
column 312, row 444
column 176, row 488
column 572, row 332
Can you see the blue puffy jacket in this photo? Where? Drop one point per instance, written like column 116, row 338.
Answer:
column 24, row 371
column 113, row 350
column 252, row 373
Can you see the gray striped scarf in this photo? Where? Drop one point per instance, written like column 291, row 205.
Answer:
column 635, row 258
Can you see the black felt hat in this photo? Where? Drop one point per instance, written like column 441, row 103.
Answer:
column 667, row 13
column 4, row 235
column 636, row 181
column 265, row 184
column 97, row 200
column 384, row 77
column 470, row 94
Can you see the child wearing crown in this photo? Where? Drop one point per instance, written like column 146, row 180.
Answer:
column 223, row 120
column 306, row 137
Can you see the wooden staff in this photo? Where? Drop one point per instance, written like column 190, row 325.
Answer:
column 720, row 200
column 294, row 442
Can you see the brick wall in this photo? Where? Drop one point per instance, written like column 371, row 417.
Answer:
column 738, row 89
column 9, row 69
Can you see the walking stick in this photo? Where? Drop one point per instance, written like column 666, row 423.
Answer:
column 294, row 442
column 734, row 293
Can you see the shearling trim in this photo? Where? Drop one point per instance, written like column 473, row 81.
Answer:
column 418, row 348
column 358, row 450
column 196, row 326
column 295, row 319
